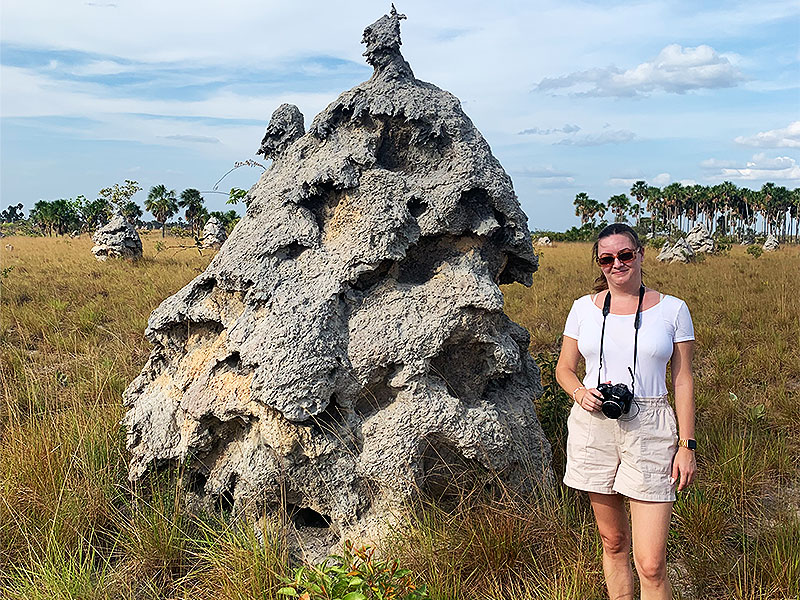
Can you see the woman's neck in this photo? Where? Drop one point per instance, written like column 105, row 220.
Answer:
column 630, row 290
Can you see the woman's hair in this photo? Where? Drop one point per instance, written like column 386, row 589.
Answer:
column 600, row 283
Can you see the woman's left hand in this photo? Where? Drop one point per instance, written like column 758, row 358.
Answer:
column 684, row 467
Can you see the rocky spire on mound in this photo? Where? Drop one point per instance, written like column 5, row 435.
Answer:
column 347, row 347
column 383, row 47
column 285, row 127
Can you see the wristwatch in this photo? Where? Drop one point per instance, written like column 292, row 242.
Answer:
column 690, row 444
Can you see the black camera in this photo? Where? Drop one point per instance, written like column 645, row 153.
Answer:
column 617, row 399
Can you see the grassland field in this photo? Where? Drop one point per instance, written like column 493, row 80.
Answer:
column 72, row 526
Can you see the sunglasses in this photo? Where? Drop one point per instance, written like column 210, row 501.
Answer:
column 625, row 256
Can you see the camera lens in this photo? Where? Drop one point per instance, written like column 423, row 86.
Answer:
column 612, row 409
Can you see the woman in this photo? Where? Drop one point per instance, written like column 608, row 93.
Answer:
column 643, row 455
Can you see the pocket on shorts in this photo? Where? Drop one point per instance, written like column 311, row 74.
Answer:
column 658, row 440
column 579, row 431
column 673, row 422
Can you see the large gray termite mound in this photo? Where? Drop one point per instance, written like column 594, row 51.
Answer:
column 347, row 348
column 117, row 239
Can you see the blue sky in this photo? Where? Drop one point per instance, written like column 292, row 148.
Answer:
column 571, row 96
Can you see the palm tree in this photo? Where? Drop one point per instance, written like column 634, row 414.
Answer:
column 229, row 218
column 597, row 208
column 636, row 211
column 192, row 201
column 582, row 204
column 777, row 200
column 43, row 216
column 794, row 211
column 673, row 201
column 639, row 191
column 619, row 205
column 95, row 213
column 162, row 204
column 693, row 195
column 655, row 205
column 726, row 194
column 131, row 211
column 59, row 216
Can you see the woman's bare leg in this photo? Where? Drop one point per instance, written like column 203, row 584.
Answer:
column 612, row 522
column 650, row 522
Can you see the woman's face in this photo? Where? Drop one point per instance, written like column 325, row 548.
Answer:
column 621, row 274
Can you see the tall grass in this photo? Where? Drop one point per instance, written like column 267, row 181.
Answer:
column 71, row 526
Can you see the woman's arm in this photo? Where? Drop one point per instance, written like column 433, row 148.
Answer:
column 567, row 376
column 684, row 466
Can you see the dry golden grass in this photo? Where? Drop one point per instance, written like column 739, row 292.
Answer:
column 72, row 527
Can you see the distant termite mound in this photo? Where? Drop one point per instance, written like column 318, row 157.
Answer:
column 347, row 347
column 117, row 239
column 213, row 234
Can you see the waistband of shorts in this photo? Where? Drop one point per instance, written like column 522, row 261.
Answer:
column 653, row 401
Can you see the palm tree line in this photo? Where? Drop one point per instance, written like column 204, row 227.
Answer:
column 62, row 216
column 725, row 208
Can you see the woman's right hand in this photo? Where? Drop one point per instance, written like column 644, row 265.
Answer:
column 589, row 399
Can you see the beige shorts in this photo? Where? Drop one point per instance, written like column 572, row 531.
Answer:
column 629, row 457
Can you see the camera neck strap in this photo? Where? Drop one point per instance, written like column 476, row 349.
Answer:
column 637, row 322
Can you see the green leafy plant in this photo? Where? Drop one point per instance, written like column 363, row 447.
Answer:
column 355, row 575
column 236, row 195
column 755, row 250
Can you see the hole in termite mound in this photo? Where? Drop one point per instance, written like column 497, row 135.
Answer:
column 303, row 516
column 445, row 473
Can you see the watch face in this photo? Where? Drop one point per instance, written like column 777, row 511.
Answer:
column 691, row 444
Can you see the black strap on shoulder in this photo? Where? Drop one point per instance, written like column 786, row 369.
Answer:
column 606, row 310
column 637, row 322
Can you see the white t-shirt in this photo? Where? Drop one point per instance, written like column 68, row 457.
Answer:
column 667, row 322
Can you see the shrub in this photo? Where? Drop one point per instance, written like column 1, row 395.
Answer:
column 179, row 231
column 755, row 250
column 655, row 242
column 355, row 575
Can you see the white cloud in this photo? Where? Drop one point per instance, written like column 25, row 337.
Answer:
column 788, row 137
column 197, row 139
column 619, row 136
column 95, row 68
column 714, row 163
column 546, row 176
column 661, row 179
column 623, row 181
column 675, row 70
column 25, row 94
column 487, row 54
column 555, row 183
column 567, row 128
column 761, row 168
column 542, row 172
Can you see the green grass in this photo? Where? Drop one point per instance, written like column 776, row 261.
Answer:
column 71, row 526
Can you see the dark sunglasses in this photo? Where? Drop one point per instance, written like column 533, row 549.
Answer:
column 606, row 260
